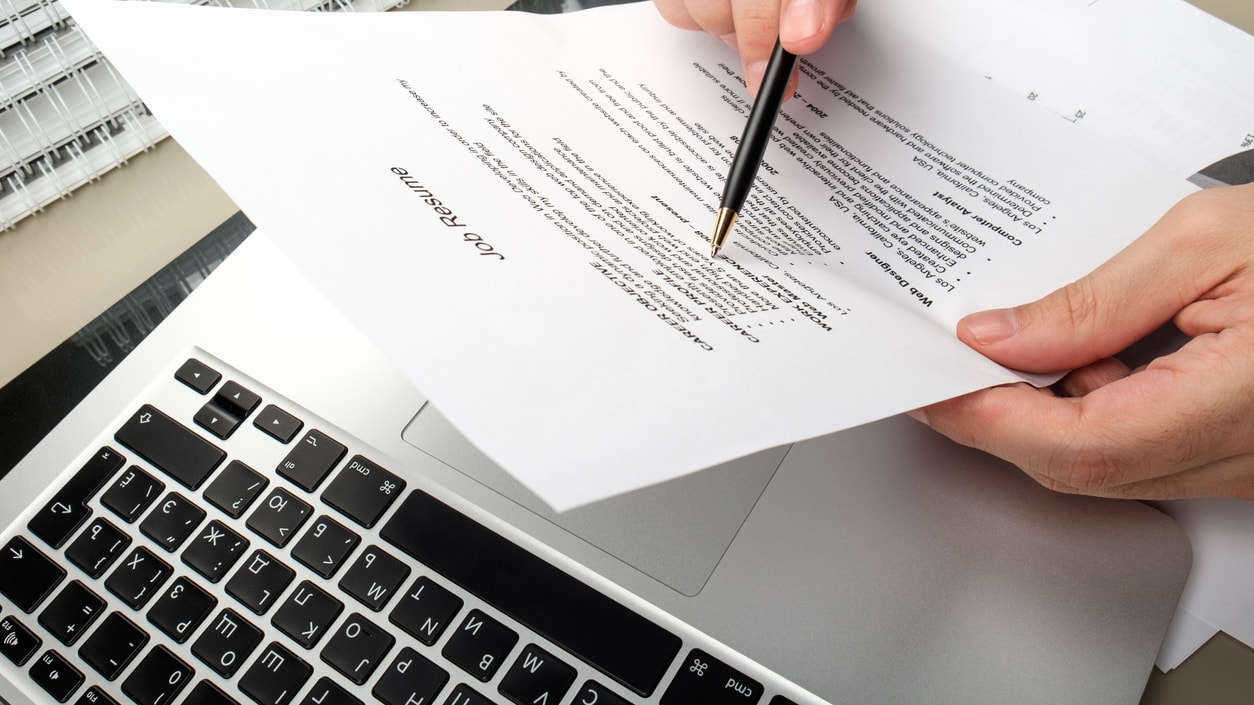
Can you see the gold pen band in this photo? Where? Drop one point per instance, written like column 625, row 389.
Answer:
column 722, row 226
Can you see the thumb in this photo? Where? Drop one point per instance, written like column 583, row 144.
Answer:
column 1123, row 300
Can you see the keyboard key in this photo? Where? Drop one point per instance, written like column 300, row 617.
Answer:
column 17, row 643
column 215, row 550
column 227, row 643
column 181, row 609
column 537, row 677
column 306, row 614
column 310, row 460
column 275, row 677
column 607, row 635
column 235, row 488
column 363, row 491
column 27, row 576
column 172, row 521
column 132, row 493
column 56, row 676
column 328, row 692
column 704, row 679
column 95, row 696
column 325, row 546
column 217, row 420
column 278, row 424
column 259, row 581
column 206, row 693
column 593, row 692
column 373, row 577
column 67, row 510
column 425, row 610
column 97, row 548
column 170, row 446
column 357, row 648
column 236, row 400
column 197, row 375
column 781, row 700
column 479, row 645
column 279, row 517
column 71, row 612
column 410, row 679
column 138, row 577
column 158, row 679
column 465, row 695
column 112, row 646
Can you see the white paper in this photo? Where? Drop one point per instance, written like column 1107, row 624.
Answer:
column 516, row 209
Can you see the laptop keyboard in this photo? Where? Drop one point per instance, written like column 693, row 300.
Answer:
column 223, row 546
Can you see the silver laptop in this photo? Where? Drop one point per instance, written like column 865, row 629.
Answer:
column 256, row 507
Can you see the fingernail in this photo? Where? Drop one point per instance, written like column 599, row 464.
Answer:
column 729, row 39
column 919, row 415
column 753, row 76
column 992, row 326
column 801, row 20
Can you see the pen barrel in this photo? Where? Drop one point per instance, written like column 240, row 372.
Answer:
column 758, row 129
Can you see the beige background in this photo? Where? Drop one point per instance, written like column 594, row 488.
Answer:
column 62, row 268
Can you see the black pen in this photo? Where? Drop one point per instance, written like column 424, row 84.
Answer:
column 752, row 143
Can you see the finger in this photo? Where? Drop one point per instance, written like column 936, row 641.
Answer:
column 676, row 12
column 1230, row 477
column 1093, row 377
column 757, row 28
column 1183, row 256
column 806, row 25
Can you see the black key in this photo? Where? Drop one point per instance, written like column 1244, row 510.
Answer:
column 465, row 695
column 306, row 614
column 259, row 581
column 27, row 576
column 309, row 461
column 327, row 692
column 96, row 548
column 55, row 675
column 410, row 679
column 217, row 420
column 17, row 643
column 95, row 696
column 172, row 521
column 275, row 677
column 206, row 693
column 235, row 488
column 425, row 610
column 279, row 517
column 138, row 577
column 132, row 493
column 215, row 550
column 325, row 546
column 363, row 491
column 537, row 677
column 71, row 612
column 593, row 692
column 278, row 424
column 112, row 646
column 236, row 400
column 781, row 700
column 197, row 375
column 170, row 446
column 373, row 577
column 622, row 644
column 67, row 510
column 479, row 645
column 158, row 679
column 704, row 679
column 357, row 648
column 227, row 643
column 181, row 609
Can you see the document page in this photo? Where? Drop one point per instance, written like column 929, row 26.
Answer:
column 516, row 208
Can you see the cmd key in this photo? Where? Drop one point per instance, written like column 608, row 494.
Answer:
column 363, row 490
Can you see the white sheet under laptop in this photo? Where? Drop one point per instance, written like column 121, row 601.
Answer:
column 514, row 208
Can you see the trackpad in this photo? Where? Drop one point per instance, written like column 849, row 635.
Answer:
column 675, row 532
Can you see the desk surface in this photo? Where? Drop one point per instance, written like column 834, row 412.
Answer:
column 61, row 269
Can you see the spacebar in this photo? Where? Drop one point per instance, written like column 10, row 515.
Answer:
column 605, row 634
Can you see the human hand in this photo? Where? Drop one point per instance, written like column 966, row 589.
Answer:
column 1181, row 426
column 752, row 26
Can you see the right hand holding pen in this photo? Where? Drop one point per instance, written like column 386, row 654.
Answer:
column 752, row 26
